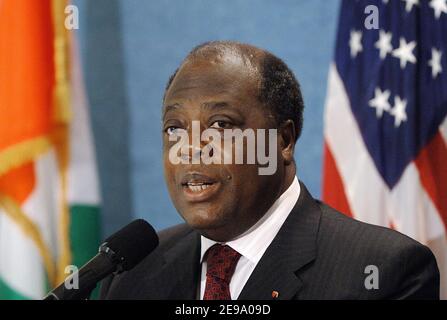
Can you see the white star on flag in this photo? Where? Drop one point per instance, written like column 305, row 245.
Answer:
column 384, row 43
column 439, row 6
column 398, row 111
column 409, row 4
column 405, row 52
column 435, row 62
column 355, row 43
column 380, row 101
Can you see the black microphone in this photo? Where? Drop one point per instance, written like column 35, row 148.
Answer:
column 120, row 252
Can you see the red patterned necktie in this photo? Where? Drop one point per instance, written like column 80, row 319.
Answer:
column 221, row 262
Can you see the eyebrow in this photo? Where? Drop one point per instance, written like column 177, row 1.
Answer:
column 213, row 105
column 171, row 107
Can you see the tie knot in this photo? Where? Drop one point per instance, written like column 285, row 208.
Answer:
column 221, row 261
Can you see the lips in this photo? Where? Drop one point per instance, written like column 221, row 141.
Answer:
column 198, row 187
column 197, row 178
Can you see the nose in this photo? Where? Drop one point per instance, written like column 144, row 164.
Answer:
column 191, row 153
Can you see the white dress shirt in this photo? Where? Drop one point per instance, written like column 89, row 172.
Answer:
column 253, row 243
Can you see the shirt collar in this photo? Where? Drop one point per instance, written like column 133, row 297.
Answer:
column 253, row 243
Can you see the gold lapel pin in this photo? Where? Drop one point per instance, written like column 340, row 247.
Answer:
column 275, row 294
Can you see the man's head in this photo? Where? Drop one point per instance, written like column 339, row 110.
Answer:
column 228, row 85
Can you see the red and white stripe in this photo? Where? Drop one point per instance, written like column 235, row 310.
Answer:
column 416, row 206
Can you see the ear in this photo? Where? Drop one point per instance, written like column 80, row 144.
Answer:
column 287, row 134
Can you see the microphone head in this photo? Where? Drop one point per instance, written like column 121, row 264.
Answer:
column 133, row 243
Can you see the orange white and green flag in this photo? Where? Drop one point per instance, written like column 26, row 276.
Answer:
column 49, row 196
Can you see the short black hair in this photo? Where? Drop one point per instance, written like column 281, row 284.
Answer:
column 279, row 89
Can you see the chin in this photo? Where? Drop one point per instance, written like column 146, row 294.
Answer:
column 203, row 220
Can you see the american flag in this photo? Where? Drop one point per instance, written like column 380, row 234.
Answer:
column 385, row 153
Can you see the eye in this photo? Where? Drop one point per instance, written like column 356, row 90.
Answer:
column 220, row 125
column 173, row 130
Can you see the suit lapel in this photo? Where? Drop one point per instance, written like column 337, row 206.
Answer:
column 183, row 267
column 293, row 248
column 178, row 271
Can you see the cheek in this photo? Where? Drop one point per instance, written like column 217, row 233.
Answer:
column 240, row 180
column 169, row 173
column 248, row 188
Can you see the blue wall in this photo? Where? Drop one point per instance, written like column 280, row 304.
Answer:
column 129, row 49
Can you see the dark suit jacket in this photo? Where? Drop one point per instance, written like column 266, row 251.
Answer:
column 318, row 254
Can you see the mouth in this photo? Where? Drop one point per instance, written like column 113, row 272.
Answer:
column 198, row 187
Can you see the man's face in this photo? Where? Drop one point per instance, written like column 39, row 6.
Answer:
column 220, row 96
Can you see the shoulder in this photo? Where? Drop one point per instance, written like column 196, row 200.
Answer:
column 341, row 229
column 407, row 268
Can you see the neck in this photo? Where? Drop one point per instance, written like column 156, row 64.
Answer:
column 290, row 173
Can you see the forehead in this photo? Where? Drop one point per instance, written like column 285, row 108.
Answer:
column 207, row 78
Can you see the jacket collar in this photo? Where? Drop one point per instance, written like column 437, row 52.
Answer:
column 293, row 248
column 169, row 275
column 182, row 268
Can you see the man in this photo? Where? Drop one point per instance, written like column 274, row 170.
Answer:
column 254, row 236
